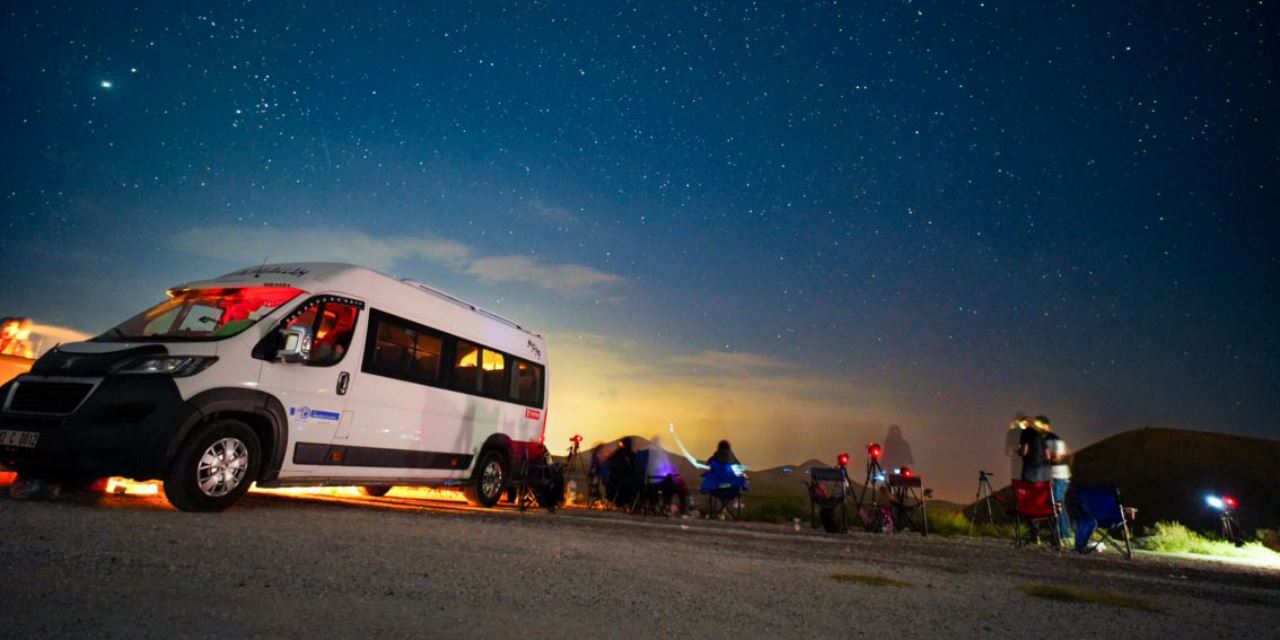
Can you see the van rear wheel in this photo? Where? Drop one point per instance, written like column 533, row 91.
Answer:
column 214, row 467
column 488, row 481
column 375, row 490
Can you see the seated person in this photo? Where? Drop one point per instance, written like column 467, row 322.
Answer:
column 676, row 491
column 330, row 349
column 723, row 455
column 621, row 482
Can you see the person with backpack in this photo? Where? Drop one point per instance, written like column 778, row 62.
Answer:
column 1034, row 455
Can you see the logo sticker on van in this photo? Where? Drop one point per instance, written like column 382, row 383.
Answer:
column 307, row 413
column 532, row 414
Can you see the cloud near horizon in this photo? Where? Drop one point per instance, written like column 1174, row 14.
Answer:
column 230, row 242
column 565, row 278
column 774, row 411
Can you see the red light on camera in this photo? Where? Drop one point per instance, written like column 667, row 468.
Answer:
column 843, row 459
column 874, row 451
column 906, row 472
column 1229, row 501
column 576, row 439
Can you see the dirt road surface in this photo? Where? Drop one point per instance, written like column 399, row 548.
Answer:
column 288, row 567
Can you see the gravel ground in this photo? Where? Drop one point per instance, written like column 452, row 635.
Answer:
column 274, row 566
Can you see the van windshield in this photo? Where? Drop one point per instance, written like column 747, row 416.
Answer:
column 202, row 314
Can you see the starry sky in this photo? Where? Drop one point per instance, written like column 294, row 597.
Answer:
column 787, row 223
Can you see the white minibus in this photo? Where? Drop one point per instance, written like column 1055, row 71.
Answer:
column 287, row 374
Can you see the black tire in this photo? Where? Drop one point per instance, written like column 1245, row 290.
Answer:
column 474, row 489
column 375, row 490
column 225, row 485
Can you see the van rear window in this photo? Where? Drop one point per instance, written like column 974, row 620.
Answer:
column 526, row 383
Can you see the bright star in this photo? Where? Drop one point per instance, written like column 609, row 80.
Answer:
column 105, row 84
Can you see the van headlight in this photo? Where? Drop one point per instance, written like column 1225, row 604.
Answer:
column 176, row 366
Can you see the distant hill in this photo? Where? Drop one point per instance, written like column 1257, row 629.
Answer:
column 1166, row 474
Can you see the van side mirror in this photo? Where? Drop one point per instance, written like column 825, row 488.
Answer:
column 296, row 344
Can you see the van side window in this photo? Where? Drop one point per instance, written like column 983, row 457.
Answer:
column 526, row 383
column 494, row 376
column 405, row 352
column 426, row 358
column 332, row 326
column 466, row 367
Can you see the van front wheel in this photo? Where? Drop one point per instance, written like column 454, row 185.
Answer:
column 488, row 480
column 214, row 467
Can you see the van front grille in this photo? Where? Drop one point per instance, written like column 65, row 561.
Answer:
column 48, row 397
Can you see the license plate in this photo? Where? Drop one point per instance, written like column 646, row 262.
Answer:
column 25, row 439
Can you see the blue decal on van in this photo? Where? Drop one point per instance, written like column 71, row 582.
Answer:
column 307, row 413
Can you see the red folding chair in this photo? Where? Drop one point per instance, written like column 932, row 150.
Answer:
column 1034, row 507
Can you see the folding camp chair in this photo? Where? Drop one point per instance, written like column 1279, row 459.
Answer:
column 829, row 499
column 1102, row 511
column 1034, row 506
column 540, row 482
column 909, row 500
column 723, row 488
column 659, row 494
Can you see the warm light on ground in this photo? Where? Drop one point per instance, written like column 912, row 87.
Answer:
column 336, row 492
column 125, row 486
column 428, row 493
column 417, row 493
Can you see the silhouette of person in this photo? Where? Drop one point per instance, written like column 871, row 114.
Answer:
column 897, row 451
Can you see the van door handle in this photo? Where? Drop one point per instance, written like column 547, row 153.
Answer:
column 344, row 380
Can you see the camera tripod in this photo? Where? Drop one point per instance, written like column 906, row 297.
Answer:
column 575, row 463
column 983, row 499
column 1231, row 528
column 574, row 460
column 875, row 476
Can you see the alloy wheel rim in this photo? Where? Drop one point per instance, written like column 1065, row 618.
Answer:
column 491, row 479
column 222, row 467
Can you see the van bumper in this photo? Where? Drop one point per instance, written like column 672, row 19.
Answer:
column 127, row 426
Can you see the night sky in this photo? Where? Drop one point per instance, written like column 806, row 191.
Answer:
column 790, row 224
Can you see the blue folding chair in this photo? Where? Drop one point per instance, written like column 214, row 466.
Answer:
column 1102, row 511
column 723, row 486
